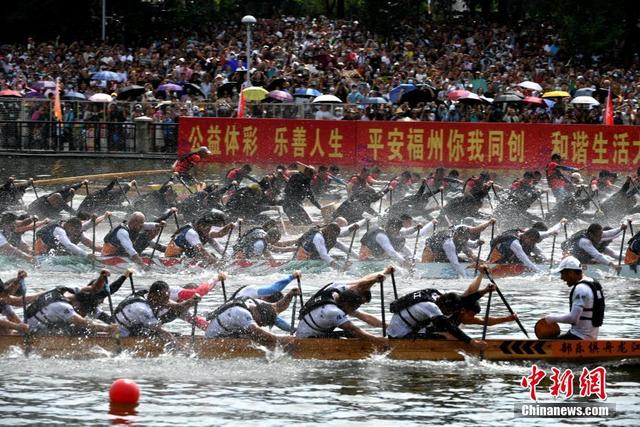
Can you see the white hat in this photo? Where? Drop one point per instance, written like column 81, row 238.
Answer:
column 577, row 177
column 568, row 263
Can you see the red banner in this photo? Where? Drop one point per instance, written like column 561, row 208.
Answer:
column 411, row 144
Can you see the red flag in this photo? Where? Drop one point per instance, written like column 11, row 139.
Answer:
column 608, row 110
column 57, row 106
column 241, row 105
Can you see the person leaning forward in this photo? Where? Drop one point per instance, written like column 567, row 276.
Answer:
column 586, row 303
column 333, row 306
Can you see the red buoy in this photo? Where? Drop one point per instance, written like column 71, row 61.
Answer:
column 124, row 391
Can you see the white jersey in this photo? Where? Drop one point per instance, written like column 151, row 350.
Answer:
column 412, row 316
column 56, row 313
column 580, row 320
column 231, row 322
column 324, row 319
column 3, row 240
column 137, row 314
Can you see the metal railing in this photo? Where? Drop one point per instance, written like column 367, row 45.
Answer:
column 28, row 109
column 98, row 137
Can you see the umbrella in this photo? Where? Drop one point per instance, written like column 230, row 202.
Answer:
column 470, row 98
column 33, row 94
column 74, row 95
column 100, row 97
column 10, row 93
column 255, row 93
column 397, row 92
column 276, row 84
column 486, row 100
column 557, row 94
column 227, row 89
column 508, row 97
column 327, row 99
column 550, row 103
column 130, row 92
column 162, row 104
column 169, row 87
column 43, row 84
column 415, row 97
column 374, row 100
column 107, row 75
column 584, row 100
column 531, row 86
column 585, row 91
column 533, row 100
column 281, row 95
column 454, row 95
column 307, row 93
column 194, row 89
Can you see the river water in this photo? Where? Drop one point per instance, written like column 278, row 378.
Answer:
column 183, row 390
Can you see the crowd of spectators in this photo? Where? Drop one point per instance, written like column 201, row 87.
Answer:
column 342, row 58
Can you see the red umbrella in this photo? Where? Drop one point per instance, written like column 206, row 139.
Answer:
column 454, row 95
column 9, row 92
column 533, row 100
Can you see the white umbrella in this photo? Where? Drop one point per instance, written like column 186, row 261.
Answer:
column 530, row 85
column 327, row 99
column 100, row 97
column 585, row 100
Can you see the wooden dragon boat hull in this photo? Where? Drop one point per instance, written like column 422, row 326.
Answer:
column 334, row 349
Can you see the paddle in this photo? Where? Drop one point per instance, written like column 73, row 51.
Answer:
column 93, row 239
column 193, row 324
column 27, row 335
column 384, row 326
column 110, row 223
column 175, row 217
column 353, row 237
column 226, row 244
column 390, row 197
column 300, row 289
column 478, row 259
column 631, row 227
column 153, row 252
column 415, row 246
column 185, row 184
column 108, row 289
column 123, row 193
column 553, row 249
column 541, row 208
column 34, row 189
column 86, row 187
column 566, row 235
column 548, row 208
column 393, row 284
column 624, row 232
column 293, row 317
column 133, row 288
column 33, row 240
column 224, row 290
column 440, row 206
column 504, row 300
column 495, row 193
column 486, row 317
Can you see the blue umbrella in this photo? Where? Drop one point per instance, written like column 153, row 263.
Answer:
column 397, row 92
column 374, row 100
column 73, row 95
column 107, row 75
column 308, row 93
column 549, row 103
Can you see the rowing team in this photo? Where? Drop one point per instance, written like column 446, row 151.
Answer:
column 424, row 314
column 453, row 245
